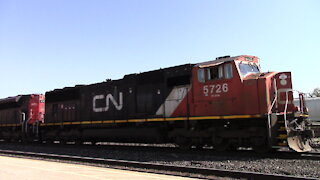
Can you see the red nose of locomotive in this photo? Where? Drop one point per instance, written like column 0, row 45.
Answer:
column 283, row 121
column 36, row 108
column 280, row 93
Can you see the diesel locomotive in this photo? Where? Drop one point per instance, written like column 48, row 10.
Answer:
column 21, row 116
column 225, row 103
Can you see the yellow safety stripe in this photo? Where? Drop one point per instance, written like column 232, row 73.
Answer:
column 144, row 120
column 304, row 115
column 157, row 120
column 135, row 120
column 9, row 125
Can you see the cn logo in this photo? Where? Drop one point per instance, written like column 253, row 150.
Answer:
column 108, row 98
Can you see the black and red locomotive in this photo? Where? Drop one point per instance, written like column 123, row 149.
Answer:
column 225, row 103
column 21, row 116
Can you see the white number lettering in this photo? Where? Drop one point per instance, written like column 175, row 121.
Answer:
column 215, row 89
column 212, row 88
column 225, row 87
column 218, row 89
column 205, row 90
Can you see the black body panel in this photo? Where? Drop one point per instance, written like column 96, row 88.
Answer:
column 142, row 95
column 11, row 108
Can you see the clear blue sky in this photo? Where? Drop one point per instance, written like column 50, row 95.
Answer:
column 56, row 43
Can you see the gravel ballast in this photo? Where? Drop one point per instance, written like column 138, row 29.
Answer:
column 237, row 160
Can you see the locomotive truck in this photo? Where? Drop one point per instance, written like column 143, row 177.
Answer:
column 225, row 103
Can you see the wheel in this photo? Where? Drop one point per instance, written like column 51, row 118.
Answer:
column 263, row 148
column 78, row 142
column 222, row 147
column 232, row 148
column 220, row 144
column 93, row 143
column 183, row 143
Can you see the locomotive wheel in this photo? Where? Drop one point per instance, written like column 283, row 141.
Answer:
column 12, row 140
column 50, row 142
column 25, row 139
column 183, row 143
column 263, row 148
column 232, row 148
column 78, row 142
column 198, row 146
column 222, row 146
column 260, row 145
column 62, row 142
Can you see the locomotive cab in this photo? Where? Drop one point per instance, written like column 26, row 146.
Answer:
column 227, row 86
column 256, row 107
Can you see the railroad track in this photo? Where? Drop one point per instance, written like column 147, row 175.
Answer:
column 204, row 173
column 284, row 154
column 294, row 155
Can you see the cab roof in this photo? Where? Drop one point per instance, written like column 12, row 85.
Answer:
column 223, row 59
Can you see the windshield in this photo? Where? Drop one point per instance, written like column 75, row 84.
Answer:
column 246, row 69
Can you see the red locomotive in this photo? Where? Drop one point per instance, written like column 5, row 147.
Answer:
column 21, row 115
column 225, row 103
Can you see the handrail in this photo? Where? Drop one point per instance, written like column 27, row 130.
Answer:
column 275, row 97
column 286, row 107
column 285, row 110
column 272, row 104
column 274, row 100
column 302, row 103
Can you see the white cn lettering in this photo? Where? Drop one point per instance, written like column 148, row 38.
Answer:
column 108, row 98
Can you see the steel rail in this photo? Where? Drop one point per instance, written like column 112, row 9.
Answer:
column 206, row 173
column 295, row 155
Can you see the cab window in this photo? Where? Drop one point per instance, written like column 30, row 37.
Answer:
column 201, row 76
column 246, row 69
column 228, row 74
column 214, row 73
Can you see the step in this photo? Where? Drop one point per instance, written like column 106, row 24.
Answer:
column 282, row 128
column 282, row 144
column 277, row 146
column 282, row 136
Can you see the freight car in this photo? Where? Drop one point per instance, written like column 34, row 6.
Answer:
column 20, row 117
column 313, row 105
column 225, row 103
